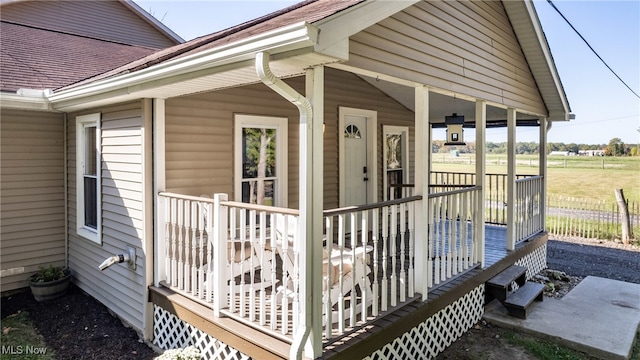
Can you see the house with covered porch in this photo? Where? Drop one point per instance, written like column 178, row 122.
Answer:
column 266, row 191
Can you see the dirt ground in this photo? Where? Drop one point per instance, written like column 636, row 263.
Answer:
column 77, row 326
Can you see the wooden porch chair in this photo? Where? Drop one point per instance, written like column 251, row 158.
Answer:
column 345, row 272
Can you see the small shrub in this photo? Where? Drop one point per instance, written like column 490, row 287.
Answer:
column 50, row 273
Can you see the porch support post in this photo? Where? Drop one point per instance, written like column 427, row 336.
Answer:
column 159, row 271
column 311, row 205
column 481, row 127
column 511, row 178
column 422, row 178
column 542, row 171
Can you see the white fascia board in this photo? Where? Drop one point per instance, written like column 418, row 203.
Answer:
column 335, row 30
column 33, row 100
column 296, row 36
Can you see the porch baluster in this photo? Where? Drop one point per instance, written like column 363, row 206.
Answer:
column 385, row 258
column 375, row 238
column 403, row 244
column 352, row 286
column 393, row 239
column 262, row 277
column 180, row 243
column 187, row 248
column 341, row 240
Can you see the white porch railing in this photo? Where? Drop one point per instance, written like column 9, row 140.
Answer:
column 186, row 254
column 528, row 207
column 372, row 262
column 453, row 244
column 368, row 261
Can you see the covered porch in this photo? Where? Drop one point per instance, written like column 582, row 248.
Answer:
column 369, row 307
column 308, row 276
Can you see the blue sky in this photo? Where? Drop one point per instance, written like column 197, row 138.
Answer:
column 603, row 106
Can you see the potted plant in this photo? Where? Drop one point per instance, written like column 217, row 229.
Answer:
column 50, row 282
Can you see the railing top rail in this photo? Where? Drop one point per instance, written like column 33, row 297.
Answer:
column 402, row 185
column 264, row 208
column 531, row 178
column 453, row 192
column 488, row 174
column 185, row 197
column 350, row 209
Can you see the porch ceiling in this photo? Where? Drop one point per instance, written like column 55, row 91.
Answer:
column 441, row 105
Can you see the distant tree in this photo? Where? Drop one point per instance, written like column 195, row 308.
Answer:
column 616, row 146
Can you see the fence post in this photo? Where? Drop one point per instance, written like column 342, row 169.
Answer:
column 623, row 210
column 219, row 242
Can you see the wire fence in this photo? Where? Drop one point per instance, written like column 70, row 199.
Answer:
column 589, row 219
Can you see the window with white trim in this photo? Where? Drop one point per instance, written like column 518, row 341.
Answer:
column 396, row 150
column 88, row 211
column 261, row 160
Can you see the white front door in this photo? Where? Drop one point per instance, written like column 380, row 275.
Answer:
column 356, row 177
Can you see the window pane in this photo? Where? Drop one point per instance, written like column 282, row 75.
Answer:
column 394, row 151
column 90, row 150
column 258, row 153
column 261, row 192
column 90, row 202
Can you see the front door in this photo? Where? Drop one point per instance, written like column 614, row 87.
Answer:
column 356, row 176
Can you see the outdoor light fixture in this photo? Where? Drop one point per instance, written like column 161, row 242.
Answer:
column 454, row 129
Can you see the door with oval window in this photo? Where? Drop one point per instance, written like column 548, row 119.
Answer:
column 356, row 177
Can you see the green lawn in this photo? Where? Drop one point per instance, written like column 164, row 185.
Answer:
column 571, row 176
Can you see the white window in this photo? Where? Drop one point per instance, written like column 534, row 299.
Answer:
column 261, row 160
column 88, row 200
column 396, row 155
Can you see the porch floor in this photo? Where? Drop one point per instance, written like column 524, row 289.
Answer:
column 363, row 340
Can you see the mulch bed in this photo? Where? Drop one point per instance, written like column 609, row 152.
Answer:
column 76, row 326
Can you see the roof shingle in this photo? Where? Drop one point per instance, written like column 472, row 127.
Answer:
column 36, row 58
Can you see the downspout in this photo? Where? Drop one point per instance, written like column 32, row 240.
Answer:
column 306, row 113
column 65, row 168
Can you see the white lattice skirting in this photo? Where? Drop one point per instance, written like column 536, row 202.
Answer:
column 434, row 335
column 169, row 332
column 535, row 261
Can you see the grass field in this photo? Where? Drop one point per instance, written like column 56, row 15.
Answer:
column 594, row 178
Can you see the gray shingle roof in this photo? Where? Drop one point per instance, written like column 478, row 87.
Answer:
column 36, row 58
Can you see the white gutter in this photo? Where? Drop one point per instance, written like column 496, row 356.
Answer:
column 306, row 114
column 288, row 38
column 26, row 99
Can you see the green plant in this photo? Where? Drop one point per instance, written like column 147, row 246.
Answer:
column 188, row 353
column 50, row 273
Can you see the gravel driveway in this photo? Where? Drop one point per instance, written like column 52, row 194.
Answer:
column 603, row 259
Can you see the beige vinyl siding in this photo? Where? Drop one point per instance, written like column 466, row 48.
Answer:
column 199, row 132
column 32, row 194
column 107, row 20
column 118, row 287
column 467, row 47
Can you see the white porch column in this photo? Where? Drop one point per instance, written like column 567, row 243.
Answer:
column 311, row 205
column 511, row 178
column 156, row 254
column 422, row 178
column 542, row 171
column 159, row 185
column 481, row 127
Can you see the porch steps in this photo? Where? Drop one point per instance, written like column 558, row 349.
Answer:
column 515, row 299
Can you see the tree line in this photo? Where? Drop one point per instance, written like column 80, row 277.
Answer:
column 615, row 147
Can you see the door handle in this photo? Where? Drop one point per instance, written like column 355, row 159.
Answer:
column 366, row 179
column 364, row 170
